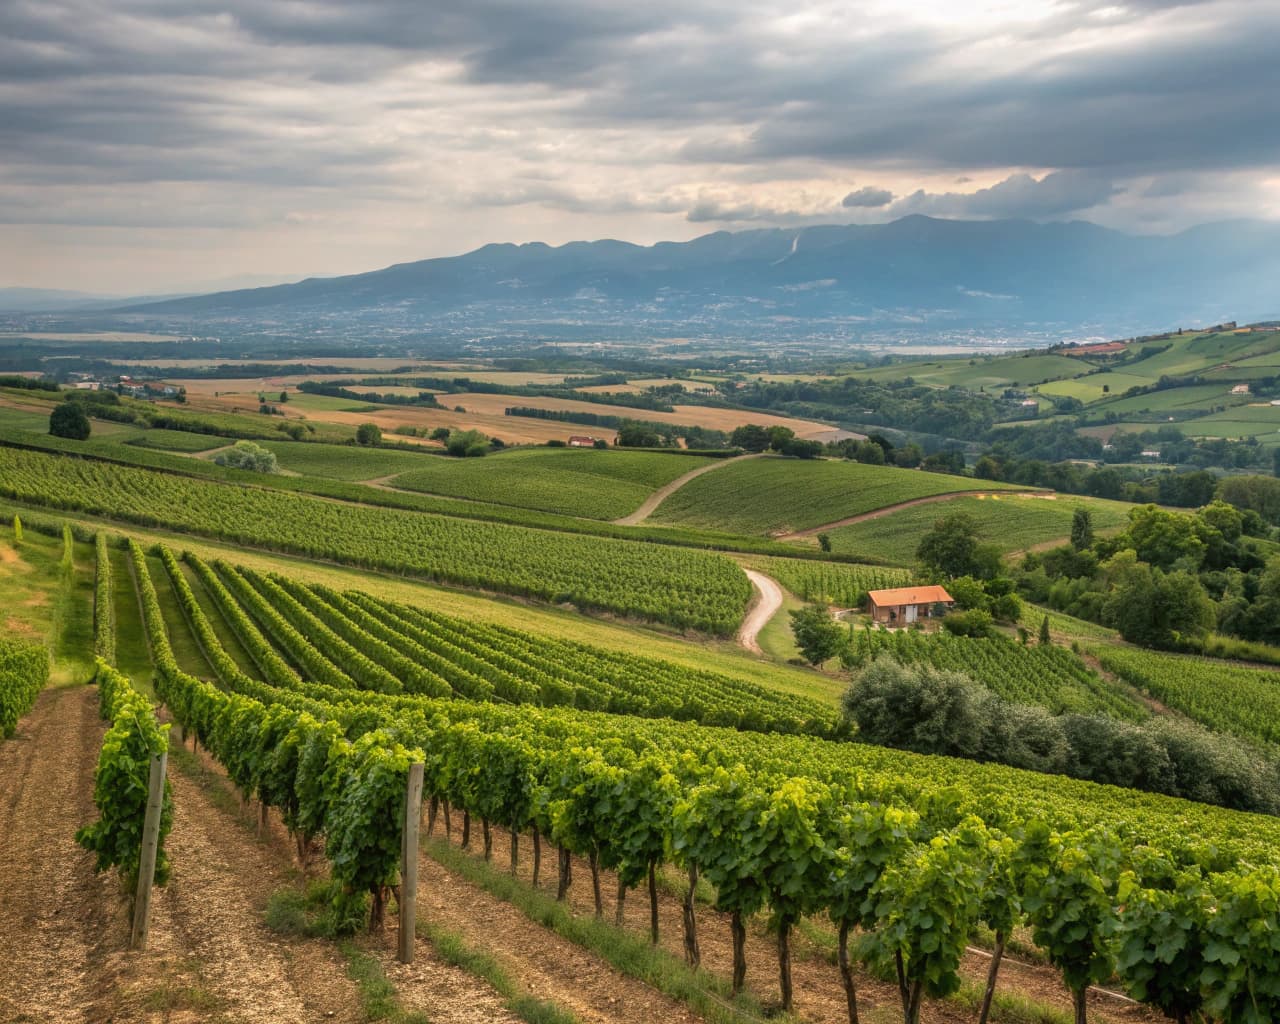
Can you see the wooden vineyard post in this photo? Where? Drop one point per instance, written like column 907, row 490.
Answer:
column 150, row 845
column 409, row 864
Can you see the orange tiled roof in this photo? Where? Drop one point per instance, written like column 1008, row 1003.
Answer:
column 909, row 595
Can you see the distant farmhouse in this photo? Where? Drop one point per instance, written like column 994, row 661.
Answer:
column 908, row 604
column 582, row 441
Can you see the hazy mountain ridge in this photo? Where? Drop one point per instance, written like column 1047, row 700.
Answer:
column 953, row 272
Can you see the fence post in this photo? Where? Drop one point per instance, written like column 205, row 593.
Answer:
column 409, row 864
column 150, row 845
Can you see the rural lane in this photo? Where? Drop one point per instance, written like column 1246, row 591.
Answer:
column 770, row 600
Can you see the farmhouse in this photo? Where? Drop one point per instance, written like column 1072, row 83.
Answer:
column 1240, row 389
column 907, row 604
column 581, row 441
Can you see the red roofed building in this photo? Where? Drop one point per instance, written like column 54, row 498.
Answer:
column 907, row 604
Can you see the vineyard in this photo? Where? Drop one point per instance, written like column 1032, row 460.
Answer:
column 1244, row 702
column 913, row 852
column 592, row 484
column 677, row 586
column 1052, row 677
column 775, row 495
column 353, row 640
column 841, row 585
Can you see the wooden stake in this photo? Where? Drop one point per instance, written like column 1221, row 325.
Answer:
column 150, row 846
column 409, row 864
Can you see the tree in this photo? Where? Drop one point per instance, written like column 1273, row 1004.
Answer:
column 1045, row 639
column 284, row 396
column 599, row 442
column 824, row 541
column 987, row 468
column 440, row 434
column 916, row 708
column 778, row 436
column 248, row 456
column 750, row 437
column 17, row 530
column 1081, row 529
column 817, row 634
column 869, row 453
column 69, row 420
column 951, row 549
column 369, row 435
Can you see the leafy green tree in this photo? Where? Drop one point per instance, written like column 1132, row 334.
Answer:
column 369, row 435
column 1045, row 638
column 248, row 456
column 869, row 453
column 1163, row 538
column 824, row 541
column 951, row 549
column 69, row 420
column 816, row 633
column 750, row 437
column 779, row 436
column 917, row 708
column 1081, row 529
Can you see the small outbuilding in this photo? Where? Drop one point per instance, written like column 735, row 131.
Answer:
column 908, row 604
column 581, row 441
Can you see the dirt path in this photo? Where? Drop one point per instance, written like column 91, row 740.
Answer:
column 54, row 921
column 207, row 928
column 818, row 993
column 550, row 967
column 813, row 531
column 768, row 601
column 652, row 502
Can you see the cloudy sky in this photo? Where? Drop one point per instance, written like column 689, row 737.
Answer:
column 152, row 146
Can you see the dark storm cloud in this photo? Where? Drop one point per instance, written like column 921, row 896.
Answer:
column 868, row 197
column 1019, row 195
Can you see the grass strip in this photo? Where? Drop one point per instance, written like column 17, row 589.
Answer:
column 452, row 948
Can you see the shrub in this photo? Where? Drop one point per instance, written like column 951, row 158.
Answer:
column 69, row 420
column 971, row 623
column 250, row 456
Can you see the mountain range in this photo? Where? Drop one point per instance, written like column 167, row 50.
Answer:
column 916, row 272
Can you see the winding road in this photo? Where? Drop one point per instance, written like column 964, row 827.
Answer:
column 663, row 493
column 768, row 601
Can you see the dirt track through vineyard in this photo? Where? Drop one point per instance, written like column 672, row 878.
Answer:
column 51, row 905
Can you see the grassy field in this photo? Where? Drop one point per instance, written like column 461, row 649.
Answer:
column 1012, row 523
column 976, row 372
column 1198, row 397
column 178, row 441
column 777, row 495
column 40, row 603
column 345, row 462
column 1260, row 421
column 590, row 483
